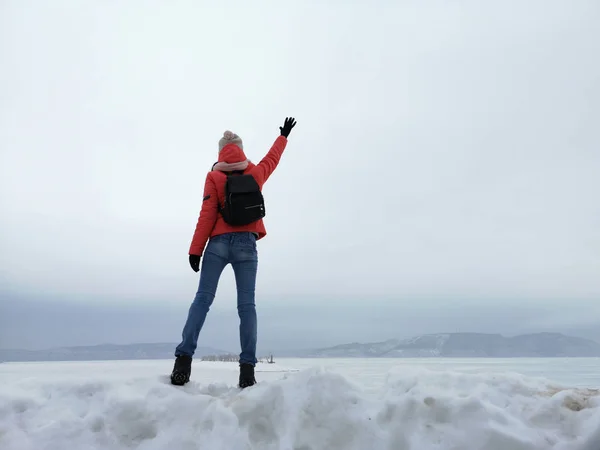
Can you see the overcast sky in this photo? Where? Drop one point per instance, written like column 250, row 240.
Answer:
column 444, row 174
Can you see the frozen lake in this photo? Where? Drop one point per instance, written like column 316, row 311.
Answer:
column 371, row 372
column 303, row 404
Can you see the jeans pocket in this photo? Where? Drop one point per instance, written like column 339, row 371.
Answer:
column 218, row 246
column 246, row 240
column 246, row 247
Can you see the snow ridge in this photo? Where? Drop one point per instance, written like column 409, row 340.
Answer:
column 416, row 409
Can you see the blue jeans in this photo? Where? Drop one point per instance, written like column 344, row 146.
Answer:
column 239, row 249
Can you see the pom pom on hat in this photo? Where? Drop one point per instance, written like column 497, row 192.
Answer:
column 229, row 137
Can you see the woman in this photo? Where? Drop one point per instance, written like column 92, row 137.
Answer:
column 235, row 244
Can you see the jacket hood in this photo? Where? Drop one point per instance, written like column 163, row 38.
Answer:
column 231, row 153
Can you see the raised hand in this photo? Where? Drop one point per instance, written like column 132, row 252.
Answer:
column 289, row 123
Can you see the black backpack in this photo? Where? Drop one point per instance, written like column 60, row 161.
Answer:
column 244, row 203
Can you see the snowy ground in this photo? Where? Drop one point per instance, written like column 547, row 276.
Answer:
column 131, row 405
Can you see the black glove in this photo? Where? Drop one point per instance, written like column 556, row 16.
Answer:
column 289, row 123
column 195, row 262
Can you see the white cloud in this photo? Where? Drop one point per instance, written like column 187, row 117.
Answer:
column 441, row 149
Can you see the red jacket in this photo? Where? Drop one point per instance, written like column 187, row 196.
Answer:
column 211, row 223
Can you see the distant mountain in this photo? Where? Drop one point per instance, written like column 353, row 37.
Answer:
column 469, row 345
column 102, row 352
column 428, row 345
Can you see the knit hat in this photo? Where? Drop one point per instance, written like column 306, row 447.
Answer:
column 230, row 137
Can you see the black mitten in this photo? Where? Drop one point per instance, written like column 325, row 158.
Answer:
column 195, row 262
column 289, row 123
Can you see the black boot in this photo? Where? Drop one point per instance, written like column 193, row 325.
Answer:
column 182, row 370
column 246, row 376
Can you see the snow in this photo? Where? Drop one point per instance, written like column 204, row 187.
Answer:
column 131, row 405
